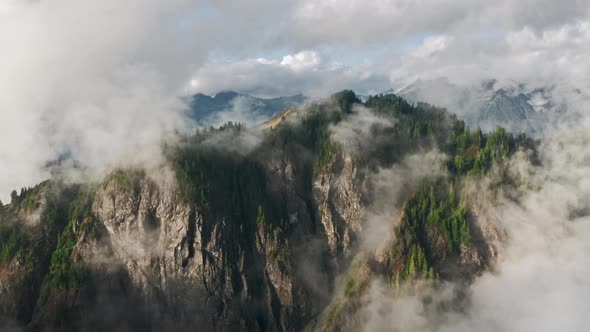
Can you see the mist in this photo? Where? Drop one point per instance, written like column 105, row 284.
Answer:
column 88, row 80
column 389, row 187
column 241, row 111
column 539, row 281
column 98, row 85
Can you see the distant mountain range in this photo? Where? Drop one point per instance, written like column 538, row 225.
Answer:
column 489, row 104
column 486, row 105
column 209, row 110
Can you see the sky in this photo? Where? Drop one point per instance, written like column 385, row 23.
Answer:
column 101, row 80
column 317, row 47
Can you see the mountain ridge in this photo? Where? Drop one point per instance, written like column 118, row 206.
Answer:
column 491, row 103
column 204, row 108
column 256, row 238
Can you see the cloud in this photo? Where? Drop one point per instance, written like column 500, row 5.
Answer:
column 357, row 132
column 307, row 72
column 539, row 281
column 370, row 46
column 362, row 22
column 86, row 78
column 305, row 60
column 389, row 186
column 242, row 111
column 541, row 58
column 100, row 80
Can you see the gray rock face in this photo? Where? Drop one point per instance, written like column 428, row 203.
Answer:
column 149, row 232
column 338, row 195
column 186, row 265
column 161, row 243
column 262, row 239
column 169, row 248
column 12, row 296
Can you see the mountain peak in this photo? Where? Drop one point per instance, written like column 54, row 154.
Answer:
column 226, row 95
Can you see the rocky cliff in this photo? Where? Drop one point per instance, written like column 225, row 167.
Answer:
column 226, row 236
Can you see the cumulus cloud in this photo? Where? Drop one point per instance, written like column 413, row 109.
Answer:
column 374, row 45
column 307, row 72
column 305, row 60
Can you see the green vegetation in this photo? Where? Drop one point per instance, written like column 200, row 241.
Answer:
column 312, row 133
column 241, row 197
column 417, row 265
column 12, row 239
column 434, row 225
column 420, row 124
column 13, row 234
column 423, row 126
column 44, row 248
column 226, row 188
column 351, row 280
column 64, row 272
column 128, row 179
column 327, row 151
column 344, row 100
column 333, row 314
column 434, row 204
column 474, row 152
column 27, row 199
column 260, row 217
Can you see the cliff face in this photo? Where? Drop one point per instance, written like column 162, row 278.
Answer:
column 176, row 263
column 147, row 248
column 238, row 238
column 338, row 192
column 169, row 251
column 398, row 266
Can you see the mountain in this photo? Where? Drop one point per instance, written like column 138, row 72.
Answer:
column 490, row 104
column 206, row 109
column 279, row 227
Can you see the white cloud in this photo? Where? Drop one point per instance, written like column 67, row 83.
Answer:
column 71, row 66
column 540, row 58
column 305, row 60
column 356, row 133
column 306, row 72
column 100, row 79
column 432, row 46
column 361, row 21
column 242, row 111
column 540, row 280
column 532, row 41
column 84, row 77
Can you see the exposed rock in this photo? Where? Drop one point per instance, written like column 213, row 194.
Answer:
column 338, row 195
column 263, row 240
